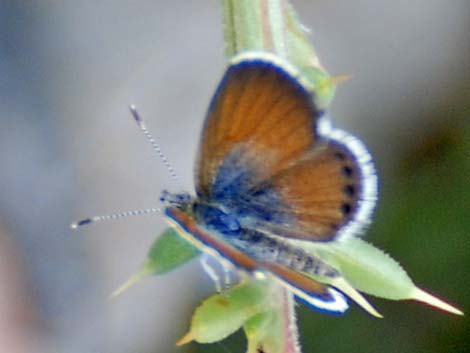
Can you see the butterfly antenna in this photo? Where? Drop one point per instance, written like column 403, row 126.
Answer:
column 140, row 122
column 114, row 216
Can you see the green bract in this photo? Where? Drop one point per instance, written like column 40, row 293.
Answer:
column 222, row 314
column 372, row 271
column 261, row 307
column 168, row 252
column 367, row 268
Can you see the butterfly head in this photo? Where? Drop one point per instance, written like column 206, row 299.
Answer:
column 210, row 215
column 182, row 201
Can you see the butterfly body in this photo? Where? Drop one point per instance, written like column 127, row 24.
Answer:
column 255, row 253
column 271, row 173
column 263, row 248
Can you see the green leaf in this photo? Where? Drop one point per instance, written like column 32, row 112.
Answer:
column 372, row 271
column 168, row 252
column 367, row 268
column 222, row 314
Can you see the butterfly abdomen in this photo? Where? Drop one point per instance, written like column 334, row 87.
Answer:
column 263, row 248
column 267, row 249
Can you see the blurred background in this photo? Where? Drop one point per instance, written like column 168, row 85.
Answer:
column 68, row 149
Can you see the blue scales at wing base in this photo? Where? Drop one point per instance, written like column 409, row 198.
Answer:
column 239, row 191
column 215, row 218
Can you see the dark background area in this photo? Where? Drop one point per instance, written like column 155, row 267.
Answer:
column 68, row 149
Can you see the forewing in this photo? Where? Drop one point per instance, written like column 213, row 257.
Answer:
column 272, row 161
column 259, row 121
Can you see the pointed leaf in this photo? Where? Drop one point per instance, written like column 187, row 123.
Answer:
column 372, row 271
column 424, row 297
column 222, row 314
column 168, row 252
column 367, row 268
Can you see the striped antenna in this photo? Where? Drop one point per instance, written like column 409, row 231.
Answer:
column 146, row 211
column 114, row 216
column 140, row 122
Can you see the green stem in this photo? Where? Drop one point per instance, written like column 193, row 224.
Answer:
column 273, row 26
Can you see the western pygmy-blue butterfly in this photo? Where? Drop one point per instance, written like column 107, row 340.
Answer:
column 270, row 168
column 272, row 172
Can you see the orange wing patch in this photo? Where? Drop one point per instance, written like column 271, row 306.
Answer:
column 320, row 193
column 263, row 109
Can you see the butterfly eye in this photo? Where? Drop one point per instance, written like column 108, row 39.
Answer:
column 164, row 196
column 183, row 198
column 181, row 201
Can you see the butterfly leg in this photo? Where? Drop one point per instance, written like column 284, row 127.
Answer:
column 211, row 272
column 227, row 277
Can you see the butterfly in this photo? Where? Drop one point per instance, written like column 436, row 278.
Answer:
column 272, row 173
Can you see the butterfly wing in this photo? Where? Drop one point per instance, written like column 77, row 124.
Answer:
column 317, row 294
column 329, row 193
column 269, row 157
column 259, row 121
